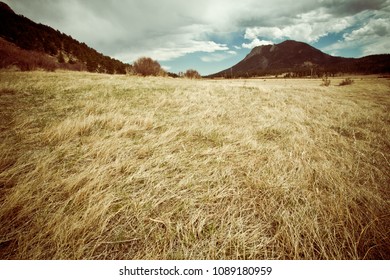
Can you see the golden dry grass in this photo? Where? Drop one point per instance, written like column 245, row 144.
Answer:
column 95, row 166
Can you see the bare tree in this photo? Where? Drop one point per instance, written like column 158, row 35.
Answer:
column 146, row 66
column 192, row 74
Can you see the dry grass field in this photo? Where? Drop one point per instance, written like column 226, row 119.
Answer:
column 95, row 166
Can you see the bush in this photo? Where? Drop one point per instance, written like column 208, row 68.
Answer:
column 325, row 81
column 13, row 56
column 61, row 58
column 345, row 82
column 173, row 75
column 192, row 74
column 146, row 66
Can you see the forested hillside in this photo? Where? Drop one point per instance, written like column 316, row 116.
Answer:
column 68, row 52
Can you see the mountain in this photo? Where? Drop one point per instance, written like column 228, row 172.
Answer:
column 292, row 58
column 29, row 45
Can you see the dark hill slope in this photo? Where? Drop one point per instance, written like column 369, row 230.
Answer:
column 301, row 59
column 32, row 36
column 13, row 56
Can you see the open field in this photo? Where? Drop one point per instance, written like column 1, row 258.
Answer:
column 95, row 166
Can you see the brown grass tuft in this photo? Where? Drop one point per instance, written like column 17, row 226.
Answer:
column 101, row 167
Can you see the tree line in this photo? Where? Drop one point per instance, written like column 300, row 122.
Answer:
column 146, row 66
column 29, row 45
column 40, row 38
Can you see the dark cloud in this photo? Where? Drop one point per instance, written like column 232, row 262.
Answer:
column 350, row 7
column 169, row 29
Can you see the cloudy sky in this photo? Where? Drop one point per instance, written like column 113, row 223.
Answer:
column 211, row 35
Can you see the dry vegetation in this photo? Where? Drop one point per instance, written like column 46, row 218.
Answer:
column 94, row 166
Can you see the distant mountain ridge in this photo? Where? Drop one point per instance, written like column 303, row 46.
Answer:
column 58, row 50
column 300, row 59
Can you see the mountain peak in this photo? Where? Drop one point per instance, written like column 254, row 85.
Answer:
column 300, row 59
column 259, row 50
column 291, row 42
column 287, row 54
column 285, row 46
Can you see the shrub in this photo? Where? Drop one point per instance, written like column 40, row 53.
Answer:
column 325, row 81
column 61, row 58
column 146, row 66
column 346, row 81
column 192, row 74
column 172, row 75
column 13, row 56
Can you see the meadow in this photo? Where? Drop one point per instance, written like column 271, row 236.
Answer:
column 96, row 166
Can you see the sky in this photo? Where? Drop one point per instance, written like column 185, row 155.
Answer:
column 212, row 35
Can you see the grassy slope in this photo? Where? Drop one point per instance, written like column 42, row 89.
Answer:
column 103, row 167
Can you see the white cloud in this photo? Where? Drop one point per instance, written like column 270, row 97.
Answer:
column 374, row 28
column 269, row 32
column 165, row 67
column 256, row 42
column 369, row 38
column 214, row 57
column 169, row 51
column 308, row 27
column 381, row 46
